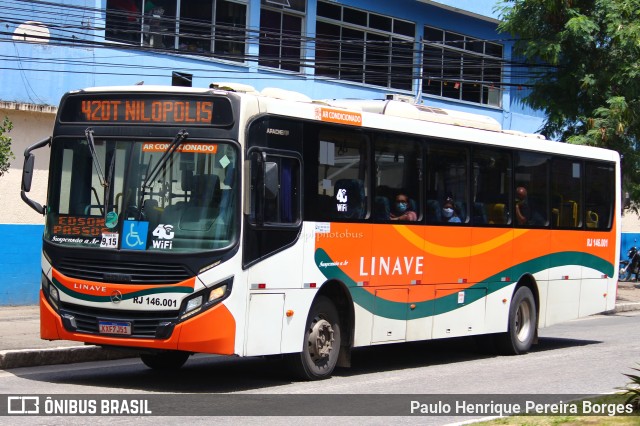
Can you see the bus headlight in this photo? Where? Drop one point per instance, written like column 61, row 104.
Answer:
column 193, row 304
column 44, row 283
column 217, row 293
column 50, row 291
column 54, row 296
column 206, row 298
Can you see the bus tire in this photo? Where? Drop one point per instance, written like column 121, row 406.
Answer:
column 172, row 360
column 321, row 346
column 522, row 326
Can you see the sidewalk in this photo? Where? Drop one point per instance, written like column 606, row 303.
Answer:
column 21, row 346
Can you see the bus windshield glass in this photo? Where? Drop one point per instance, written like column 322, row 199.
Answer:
column 149, row 195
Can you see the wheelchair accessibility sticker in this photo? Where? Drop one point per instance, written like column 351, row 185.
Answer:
column 134, row 235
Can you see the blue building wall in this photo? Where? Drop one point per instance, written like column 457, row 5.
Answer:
column 45, row 80
column 38, row 73
column 628, row 240
column 20, row 266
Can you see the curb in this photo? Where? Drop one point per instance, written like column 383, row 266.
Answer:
column 624, row 307
column 51, row 356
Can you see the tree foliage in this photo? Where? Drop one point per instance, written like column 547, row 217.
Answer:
column 588, row 52
column 5, row 145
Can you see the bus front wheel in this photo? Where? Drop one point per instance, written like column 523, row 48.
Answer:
column 523, row 321
column 321, row 344
column 172, row 360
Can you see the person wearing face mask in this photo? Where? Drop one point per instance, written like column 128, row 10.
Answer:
column 402, row 210
column 523, row 212
column 449, row 212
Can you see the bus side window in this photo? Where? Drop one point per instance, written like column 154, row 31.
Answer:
column 446, row 180
column 532, row 174
column 492, row 185
column 398, row 171
column 566, row 198
column 338, row 190
column 275, row 193
column 599, row 197
column 283, row 208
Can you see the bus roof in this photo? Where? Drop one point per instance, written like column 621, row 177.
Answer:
column 400, row 115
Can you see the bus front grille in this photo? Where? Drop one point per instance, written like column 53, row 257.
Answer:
column 143, row 324
column 122, row 272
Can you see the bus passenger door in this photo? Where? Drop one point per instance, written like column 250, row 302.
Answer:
column 272, row 249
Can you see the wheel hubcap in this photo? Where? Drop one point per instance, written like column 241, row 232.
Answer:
column 320, row 340
column 523, row 322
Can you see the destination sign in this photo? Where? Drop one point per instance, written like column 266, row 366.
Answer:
column 148, row 109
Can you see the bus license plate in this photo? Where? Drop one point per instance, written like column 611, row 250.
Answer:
column 110, row 327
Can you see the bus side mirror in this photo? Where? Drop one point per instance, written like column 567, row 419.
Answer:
column 27, row 172
column 271, row 180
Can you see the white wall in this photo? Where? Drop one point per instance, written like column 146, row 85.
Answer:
column 28, row 128
column 630, row 222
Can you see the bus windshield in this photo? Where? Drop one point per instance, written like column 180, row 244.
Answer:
column 147, row 195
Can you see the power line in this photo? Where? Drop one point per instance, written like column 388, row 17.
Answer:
column 372, row 60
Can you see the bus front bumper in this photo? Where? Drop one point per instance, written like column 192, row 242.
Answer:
column 213, row 331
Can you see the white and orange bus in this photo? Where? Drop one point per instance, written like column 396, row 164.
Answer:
column 227, row 221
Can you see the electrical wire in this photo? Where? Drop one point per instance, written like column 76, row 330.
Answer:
column 384, row 62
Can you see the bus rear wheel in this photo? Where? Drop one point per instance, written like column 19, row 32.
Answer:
column 172, row 360
column 523, row 321
column 321, row 344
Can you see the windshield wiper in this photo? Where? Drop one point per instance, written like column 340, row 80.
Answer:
column 151, row 176
column 92, row 150
column 109, row 179
column 180, row 137
column 88, row 132
column 104, row 181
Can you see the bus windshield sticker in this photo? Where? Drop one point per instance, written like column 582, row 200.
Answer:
column 202, row 148
column 111, row 220
column 109, row 240
column 224, row 162
column 135, row 235
column 164, row 234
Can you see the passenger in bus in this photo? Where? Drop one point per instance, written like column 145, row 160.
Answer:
column 523, row 211
column 449, row 211
column 402, row 210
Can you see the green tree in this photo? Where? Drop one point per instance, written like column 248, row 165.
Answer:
column 586, row 54
column 5, row 145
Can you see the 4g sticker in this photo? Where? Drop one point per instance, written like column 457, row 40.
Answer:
column 342, row 198
column 164, row 234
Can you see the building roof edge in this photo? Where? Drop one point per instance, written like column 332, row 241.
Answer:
column 461, row 11
column 22, row 106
